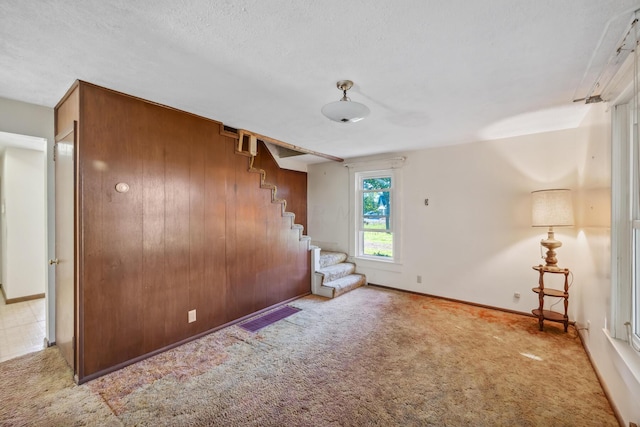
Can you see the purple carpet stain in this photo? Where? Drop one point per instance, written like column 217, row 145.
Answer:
column 267, row 319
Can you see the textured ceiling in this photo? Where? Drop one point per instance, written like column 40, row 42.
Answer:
column 433, row 73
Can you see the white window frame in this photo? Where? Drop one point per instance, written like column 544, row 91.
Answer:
column 634, row 196
column 388, row 167
column 360, row 178
column 625, row 224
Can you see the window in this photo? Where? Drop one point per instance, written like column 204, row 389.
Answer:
column 625, row 194
column 376, row 225
column 626, row 224
column 376, row 210
column 375, row 207
column 634, row 196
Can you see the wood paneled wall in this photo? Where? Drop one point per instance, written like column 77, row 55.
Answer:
column 194, row 232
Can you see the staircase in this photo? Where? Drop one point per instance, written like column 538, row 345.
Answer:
column 251, row 153
column 333, row 277
column 281, row 202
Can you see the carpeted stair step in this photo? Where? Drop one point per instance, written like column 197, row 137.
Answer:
column 333, row 276
column 328, row 258
column 345, row 284
column 336, row 271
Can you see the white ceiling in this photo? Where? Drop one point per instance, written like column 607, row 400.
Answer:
column 432, row 72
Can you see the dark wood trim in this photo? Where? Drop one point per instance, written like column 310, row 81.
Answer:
column 21, row 299
column 78, row 291
column 241, row 133
column 82, row 380
column 62, row 135
column 290, row 146
column 66, row 94
column 607, row 393
column 490, row 307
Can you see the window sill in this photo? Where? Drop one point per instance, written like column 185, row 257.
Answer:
column 628, row 361
column 379, row 264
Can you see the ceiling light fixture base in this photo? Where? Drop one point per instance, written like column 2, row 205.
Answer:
column 345, row 110
column 344, row 85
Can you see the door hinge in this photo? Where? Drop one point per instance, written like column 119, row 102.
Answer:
column 55, row 149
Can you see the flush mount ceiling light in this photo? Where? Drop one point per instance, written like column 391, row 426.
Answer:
column 345, row 110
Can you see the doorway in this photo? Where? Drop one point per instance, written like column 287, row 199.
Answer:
column 23, row 244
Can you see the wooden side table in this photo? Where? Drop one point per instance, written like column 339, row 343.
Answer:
column 543, row 291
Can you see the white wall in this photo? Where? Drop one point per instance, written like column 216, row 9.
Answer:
column 35, row 120
column 23, row 227
column 3, row 226
column 3, row 233
column 474, row 242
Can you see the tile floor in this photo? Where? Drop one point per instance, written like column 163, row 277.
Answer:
column 22, row 328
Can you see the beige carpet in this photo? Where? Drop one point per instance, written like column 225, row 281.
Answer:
column 372, row 357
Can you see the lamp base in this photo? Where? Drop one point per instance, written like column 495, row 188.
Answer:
column 551, row 244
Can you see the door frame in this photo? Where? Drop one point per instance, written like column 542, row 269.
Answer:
column 40, row 143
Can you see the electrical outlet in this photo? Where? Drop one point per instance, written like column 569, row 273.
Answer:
column 192, row 316
column 516, row 294
column 419, row 279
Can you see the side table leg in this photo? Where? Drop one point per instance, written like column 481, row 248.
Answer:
column 541, row 299
column 566, row 300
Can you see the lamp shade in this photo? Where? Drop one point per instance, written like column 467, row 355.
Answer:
column 552, row 208
column 345, row 111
